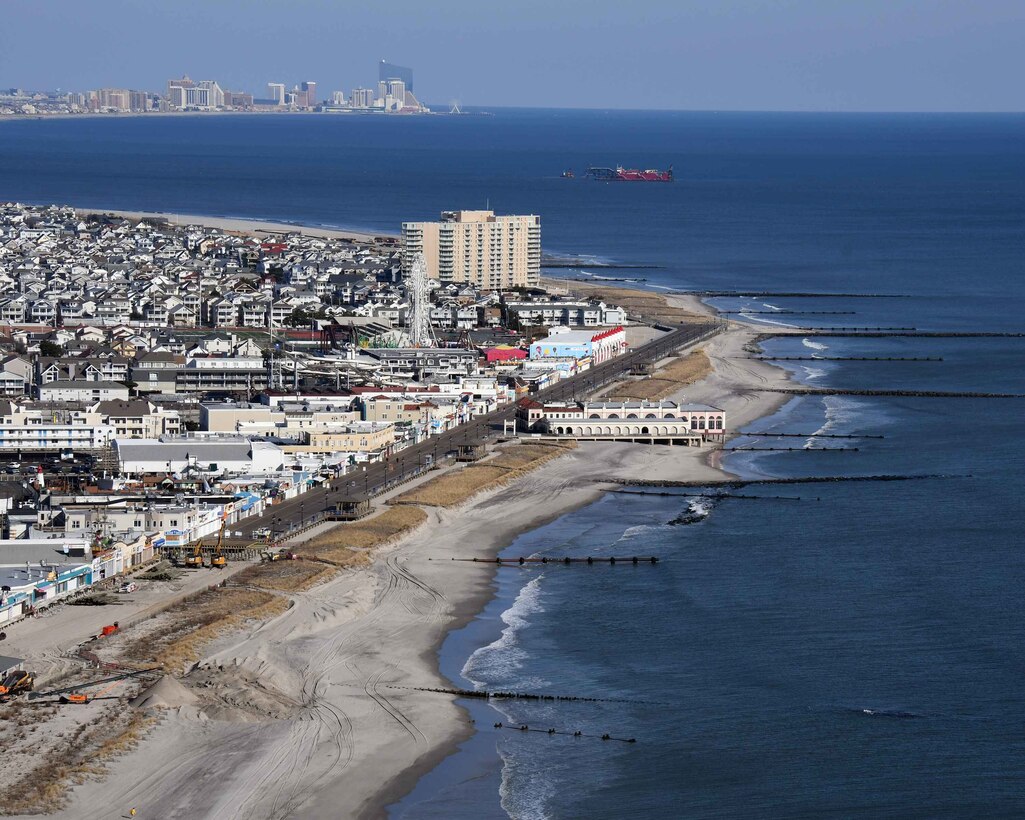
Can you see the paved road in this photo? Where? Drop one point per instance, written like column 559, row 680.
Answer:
column 405, row 464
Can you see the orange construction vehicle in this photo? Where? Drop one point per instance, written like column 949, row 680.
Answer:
column 74, row 695
column 196, row 559
column 15, row 683
column 218, row 560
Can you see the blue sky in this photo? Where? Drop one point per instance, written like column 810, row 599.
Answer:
column 830, row 55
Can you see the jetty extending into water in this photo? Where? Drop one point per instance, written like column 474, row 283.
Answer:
column 929, row 394
column 737, row 483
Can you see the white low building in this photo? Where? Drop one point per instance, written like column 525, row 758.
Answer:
column 659, row 421
column 64, row 390
column 233, row 455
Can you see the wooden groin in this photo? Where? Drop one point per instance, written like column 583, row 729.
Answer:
column 857, row 330
column 787, row 312
column 811, row 435
column 589, row 560
column 764, row 294
column 713, row 495
column 651, row 482
column 928, row 394
column 920, row 334
column 846, row 358
column 482, row 694
column 791, row 449
column 524, row 728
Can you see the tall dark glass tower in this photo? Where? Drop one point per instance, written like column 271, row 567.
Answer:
column 390, row 71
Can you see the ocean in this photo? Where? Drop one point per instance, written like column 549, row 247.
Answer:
column 848, row 649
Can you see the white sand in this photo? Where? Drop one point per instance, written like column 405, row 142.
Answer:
column 246, row 226
column 353, row 743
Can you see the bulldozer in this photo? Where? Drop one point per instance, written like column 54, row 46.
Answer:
column 16, row 683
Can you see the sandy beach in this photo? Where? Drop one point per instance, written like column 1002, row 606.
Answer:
column 352, row 739
column 246, row 226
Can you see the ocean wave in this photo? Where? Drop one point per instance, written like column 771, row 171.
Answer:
column 814, row 345
column 771, row 307
column 895, row 714
column 698, row 509
column 525, row 800
column 638, row 529
column 840, row 413
column 499, row 662
column 764, row 321
column 811, row 373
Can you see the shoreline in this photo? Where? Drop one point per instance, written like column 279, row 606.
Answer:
column 363, row 736
column 242, row 225
column 704, row 466
column 252, row 226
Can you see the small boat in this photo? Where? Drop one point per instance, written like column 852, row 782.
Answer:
column 568, row 174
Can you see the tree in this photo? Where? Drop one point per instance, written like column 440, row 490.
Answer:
column 52, row 349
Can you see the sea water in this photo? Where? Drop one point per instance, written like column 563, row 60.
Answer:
column 852, row 649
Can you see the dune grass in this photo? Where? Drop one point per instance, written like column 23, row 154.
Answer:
column 666, row 380
column 79, row 757
column 285, row 576
column 460, row 485
column 347, row 544
column 198, row 620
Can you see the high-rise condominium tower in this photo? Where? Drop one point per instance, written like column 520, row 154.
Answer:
column 476, row 247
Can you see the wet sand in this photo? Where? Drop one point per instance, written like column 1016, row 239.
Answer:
column 356, row 740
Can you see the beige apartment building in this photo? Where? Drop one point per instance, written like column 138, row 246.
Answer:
column 476, row 247
column 362, row 437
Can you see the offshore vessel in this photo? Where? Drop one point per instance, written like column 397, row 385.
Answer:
column 621, row 174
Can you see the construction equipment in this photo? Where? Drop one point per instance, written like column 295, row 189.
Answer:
column 196, row 559
column 17, row 682
column 218, row 559
column 279, row 555
column 74, row 695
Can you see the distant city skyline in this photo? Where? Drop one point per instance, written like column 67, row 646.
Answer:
column 876, row 55
column 393, row 94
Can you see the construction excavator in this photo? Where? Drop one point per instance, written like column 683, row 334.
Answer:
column 16, row 683
column 196, row 559
column 218, row 559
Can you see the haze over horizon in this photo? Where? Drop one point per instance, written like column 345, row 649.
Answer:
column 792, row 55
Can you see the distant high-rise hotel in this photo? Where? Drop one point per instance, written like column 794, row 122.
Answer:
column 362, row 98
column 478, row 248
column 204, row 95
column 276, row 92
column 390, row 71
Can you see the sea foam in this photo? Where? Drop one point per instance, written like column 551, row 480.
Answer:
column 499, row 662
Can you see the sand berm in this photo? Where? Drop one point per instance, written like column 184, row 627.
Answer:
column 339, row 737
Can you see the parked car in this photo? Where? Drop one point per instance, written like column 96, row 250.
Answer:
column 128, row 586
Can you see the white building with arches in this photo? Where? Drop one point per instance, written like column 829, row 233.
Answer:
column 657, row 422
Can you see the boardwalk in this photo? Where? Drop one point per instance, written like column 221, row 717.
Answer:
column 412, row 461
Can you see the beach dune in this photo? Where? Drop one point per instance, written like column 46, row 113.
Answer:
column 342, row 731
